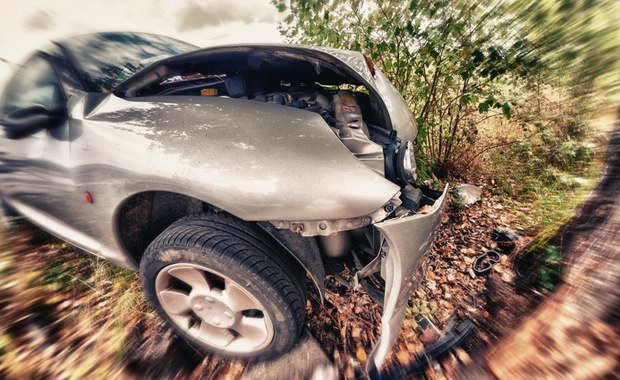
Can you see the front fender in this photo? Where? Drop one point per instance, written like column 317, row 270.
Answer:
column 255, row 160
column 408, row 239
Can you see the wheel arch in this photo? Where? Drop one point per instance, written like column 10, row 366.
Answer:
column 141, row 217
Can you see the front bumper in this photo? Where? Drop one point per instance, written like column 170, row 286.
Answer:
column 408, row 238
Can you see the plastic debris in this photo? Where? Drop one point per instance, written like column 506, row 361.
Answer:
column 469, row 194
column 505, row 238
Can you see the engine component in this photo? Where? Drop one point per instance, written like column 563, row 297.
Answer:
column 353, row 132
column 348, row 114
column 336, row 245
column 400, row 165
column 411, row 197
column 235, row 86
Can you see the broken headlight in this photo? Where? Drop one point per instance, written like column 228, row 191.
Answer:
column 406, row 165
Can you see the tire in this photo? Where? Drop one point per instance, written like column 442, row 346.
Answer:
column 220, row 284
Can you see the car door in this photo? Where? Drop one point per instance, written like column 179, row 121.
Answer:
column 35, row 171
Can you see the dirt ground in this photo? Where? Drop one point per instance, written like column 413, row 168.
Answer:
column 575, row 333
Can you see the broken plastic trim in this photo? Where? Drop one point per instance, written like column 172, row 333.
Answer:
column 409, row 239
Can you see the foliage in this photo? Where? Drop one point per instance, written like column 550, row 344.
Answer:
column 551, row 271
column 577, row 40
column 457, row 204
column 456, row 61
column 420, row 308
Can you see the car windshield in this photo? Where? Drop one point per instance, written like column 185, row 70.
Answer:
column 103, row 60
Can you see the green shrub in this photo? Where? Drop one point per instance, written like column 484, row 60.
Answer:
column 552, row 268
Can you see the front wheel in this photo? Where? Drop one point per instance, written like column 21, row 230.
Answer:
column 223, row 288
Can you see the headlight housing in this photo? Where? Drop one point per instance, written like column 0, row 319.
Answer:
column 405, row 163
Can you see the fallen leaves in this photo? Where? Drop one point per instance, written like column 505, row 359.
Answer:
column 360, row 353
column 68, row 320
column 403, row 357
column 462, row 356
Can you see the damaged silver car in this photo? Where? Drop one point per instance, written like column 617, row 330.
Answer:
column 227, row 176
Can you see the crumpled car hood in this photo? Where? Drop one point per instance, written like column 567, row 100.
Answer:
column 255, row 160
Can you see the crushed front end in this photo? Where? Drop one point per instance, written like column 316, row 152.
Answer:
column 335, row 139
column 406, row 241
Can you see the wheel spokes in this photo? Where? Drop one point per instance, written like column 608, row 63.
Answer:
column 238, row 299
column 252, row 329
column 214, row 335
column 212, row 308
column 175, row 302
column 191, row 276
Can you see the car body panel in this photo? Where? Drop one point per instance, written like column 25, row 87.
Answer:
column 254, row 160
column 257, row 161
column 402, row 120
column 409, row 239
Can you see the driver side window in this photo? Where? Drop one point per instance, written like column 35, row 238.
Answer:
column 36, row 83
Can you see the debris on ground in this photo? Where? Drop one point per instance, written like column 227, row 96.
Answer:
column 484, row 263
column 469, row 194
column 506, row 238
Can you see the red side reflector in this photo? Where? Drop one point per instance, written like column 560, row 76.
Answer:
column 88, row 197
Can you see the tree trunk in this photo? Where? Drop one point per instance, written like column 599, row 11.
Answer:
column 575, row 333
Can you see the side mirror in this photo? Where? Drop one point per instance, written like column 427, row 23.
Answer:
column 26, row 121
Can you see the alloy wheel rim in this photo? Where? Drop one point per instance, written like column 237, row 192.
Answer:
column 213, row 309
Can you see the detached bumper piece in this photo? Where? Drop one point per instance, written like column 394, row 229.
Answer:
column 409, row 238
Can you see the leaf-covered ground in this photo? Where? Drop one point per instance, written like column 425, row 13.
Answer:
column 348, row 325
column 64, row 314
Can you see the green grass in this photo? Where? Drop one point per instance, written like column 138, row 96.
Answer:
column 553, row 205
column 59, row 276
column 553, row 267
column 551, row 196
column 543, row 184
